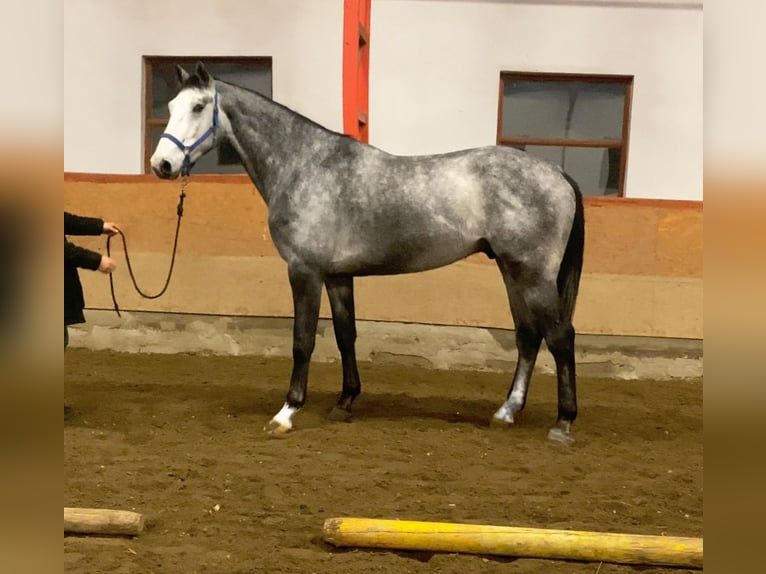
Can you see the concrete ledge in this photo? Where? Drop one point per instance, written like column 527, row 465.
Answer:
column 428, row 346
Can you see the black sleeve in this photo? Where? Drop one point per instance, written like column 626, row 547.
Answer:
column 78, row 225
column 81, row 257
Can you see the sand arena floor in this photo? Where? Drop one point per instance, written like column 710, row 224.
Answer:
column 179, row 438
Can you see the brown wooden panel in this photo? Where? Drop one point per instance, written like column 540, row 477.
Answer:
column 226, row 219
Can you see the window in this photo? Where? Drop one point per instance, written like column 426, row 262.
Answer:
column 580, row 122
column 160, row 86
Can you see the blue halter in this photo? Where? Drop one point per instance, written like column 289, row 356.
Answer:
column 188, row 164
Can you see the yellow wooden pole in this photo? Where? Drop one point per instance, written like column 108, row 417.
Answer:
column 513, row 541
column 102, row 521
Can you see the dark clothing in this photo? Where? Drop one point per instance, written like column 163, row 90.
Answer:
column 75, row 257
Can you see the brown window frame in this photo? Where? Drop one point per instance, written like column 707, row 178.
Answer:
column 148, row 61
column 620, row 144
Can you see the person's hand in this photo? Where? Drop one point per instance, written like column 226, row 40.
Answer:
column 107, row 264
column 110, row 228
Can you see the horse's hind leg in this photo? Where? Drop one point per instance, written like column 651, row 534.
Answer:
column 306, row 286
column 545, row 307
column 528, row 340
column 560, row 339
column 538, row 313
column 340, row 291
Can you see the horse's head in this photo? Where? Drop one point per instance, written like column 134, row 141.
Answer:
column 192, row 127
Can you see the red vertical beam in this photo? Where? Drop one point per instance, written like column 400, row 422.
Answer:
column 356, row 68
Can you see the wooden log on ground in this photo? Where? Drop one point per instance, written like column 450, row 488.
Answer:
column 512, row 541
column 102, row 521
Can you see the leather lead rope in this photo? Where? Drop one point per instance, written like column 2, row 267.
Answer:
column 179, row 212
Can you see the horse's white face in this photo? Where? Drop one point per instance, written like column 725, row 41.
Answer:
column 191, row 115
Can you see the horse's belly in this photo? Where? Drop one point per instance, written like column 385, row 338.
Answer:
column 391, row 258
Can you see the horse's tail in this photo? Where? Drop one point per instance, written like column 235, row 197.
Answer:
column 571, row 265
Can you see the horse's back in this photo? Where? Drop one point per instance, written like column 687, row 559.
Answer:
column 494, row 173
column 478, row 190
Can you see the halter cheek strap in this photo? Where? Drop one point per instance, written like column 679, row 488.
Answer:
column 188, row 163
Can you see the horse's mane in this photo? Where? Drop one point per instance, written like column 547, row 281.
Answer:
column 194, row 81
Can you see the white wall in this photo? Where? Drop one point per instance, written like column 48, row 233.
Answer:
column 434, row 70
column 435, row 66
column 105, row 40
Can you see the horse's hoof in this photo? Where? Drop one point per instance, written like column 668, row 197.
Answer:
column 560, row 437
column 497, row 423
column 277, row 429
column 339, row 414
column 506, row 415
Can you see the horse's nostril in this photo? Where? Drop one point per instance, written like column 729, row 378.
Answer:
column 165, row 166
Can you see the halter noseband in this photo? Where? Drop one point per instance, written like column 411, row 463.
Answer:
column 188, row 163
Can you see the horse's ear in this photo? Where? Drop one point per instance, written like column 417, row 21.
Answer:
column 182, row 76
column 203, row 74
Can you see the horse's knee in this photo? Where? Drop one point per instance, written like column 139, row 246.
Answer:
column 342, row 315
column 527, row 338
column 346, row 336
column 302, row 355
column 303, row 347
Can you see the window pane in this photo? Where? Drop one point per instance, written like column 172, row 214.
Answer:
column 596, row 170
column 217, row 161
column 570, row 110
column 255, row 75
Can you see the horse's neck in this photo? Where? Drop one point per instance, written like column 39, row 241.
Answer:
column 270, row 139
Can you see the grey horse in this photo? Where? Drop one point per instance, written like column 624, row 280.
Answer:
column 339, row 208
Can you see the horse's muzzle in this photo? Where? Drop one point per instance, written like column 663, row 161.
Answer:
column 163, row 169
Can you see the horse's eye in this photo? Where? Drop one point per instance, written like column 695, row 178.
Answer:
column 198, row 108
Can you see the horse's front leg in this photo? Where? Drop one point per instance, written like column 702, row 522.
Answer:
column 340, row 291
column 306, row 285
